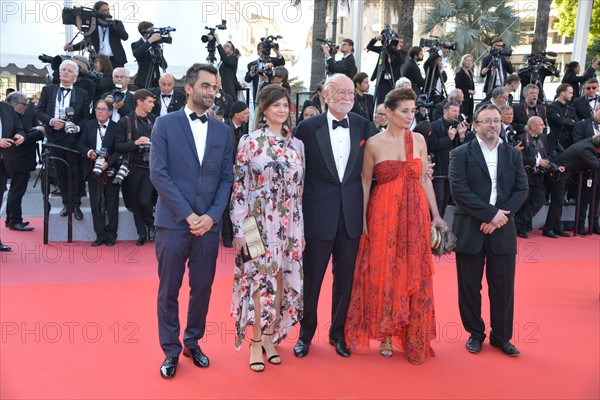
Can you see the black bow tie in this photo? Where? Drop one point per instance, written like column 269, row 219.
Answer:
column 166, row 96
column 592, row 99
column 194, row 116
column 65, row 89
column 343, row 123
column 101, row 126
column 536, row 137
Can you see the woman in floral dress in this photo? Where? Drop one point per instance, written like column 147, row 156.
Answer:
column 268, row 177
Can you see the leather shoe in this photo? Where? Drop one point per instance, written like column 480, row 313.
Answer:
column 506, row 347
column 4, row 247
column 550, row 234
column 78, row 214
column 582, row 231
column 20, row 227
column 198, row 357
column 151, row 234
column 340, row 347
column 169, row 367
column 522, row 234
column 473, row 345
column 64, row 212
column 110, row 242
column 98, row 242
column 141, row 240
column 563, row 233
column 301, row 348
column 596, row 230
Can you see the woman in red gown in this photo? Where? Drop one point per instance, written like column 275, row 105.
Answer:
column 392, row 292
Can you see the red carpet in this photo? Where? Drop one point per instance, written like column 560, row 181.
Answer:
column 80, row 322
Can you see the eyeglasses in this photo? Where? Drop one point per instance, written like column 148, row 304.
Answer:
column 23, row 104
column 382, row 114
column 591, row 88
column 489, row 122
column 101, row 109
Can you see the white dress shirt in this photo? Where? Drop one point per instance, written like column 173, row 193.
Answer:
column 104, row 42
column 491, row 160
column 200, row 131
column 164, row 103
column 340, row 144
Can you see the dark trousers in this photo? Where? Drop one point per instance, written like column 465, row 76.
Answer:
column 441, row 187
column 138, row 190
column 535, row 200
column 175, row 248
column 556, row 187
column 586, row 198
column 227, row 229
column 3, row 179
column 500, row 276
column 18, row 187
column 104, row 202
column 316, row 257
column 62, row 175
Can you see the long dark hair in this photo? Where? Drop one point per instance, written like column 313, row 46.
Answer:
column 267, row 96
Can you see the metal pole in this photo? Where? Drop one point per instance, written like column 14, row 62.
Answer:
column 356, row 13
column 582, row 29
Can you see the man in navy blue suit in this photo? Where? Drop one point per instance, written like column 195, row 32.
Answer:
column 191, row 167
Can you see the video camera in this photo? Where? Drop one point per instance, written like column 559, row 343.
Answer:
column 57, row 60
column 165, row 34
column 503, row 51
column 541, row 60
column 437, row 43
column 333, row 48
column 390, row 37
column 422, row 101
column 268, row 43
column 210, row 37
column 83, row 18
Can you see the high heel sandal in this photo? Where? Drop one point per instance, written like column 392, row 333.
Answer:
column 257, row 366
column 386, row 349
column 274, row 359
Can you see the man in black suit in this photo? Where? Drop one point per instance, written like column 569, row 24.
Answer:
column 411, row 69
column 500, row 71
column 333, row 145
column 585, row 105
column 347, row 65
column 488, row 184
column 364, row 103
column 99, row 135
column 228, row 66
column 389, row 65
column 166, row 98
column 266, row 62
column 149, row 55
column 125, row 106
column 23, row 161
column 107, row 39
column 455, row 95
column 529, row 108
column 380, row 120
column 446, row 134
column 51, row 111
column 12, row 135
column 561, row 119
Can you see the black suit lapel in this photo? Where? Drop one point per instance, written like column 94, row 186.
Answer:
column 503, row 161
column 355, row 137
column 477, row 154
column 322, row 136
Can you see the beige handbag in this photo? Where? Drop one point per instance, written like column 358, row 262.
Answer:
column 443, row 241
column 255, row 247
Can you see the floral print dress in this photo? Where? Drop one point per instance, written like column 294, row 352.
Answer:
column 268, row 178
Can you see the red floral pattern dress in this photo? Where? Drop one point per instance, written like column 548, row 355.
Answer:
column 268, row 178
column 392, row 292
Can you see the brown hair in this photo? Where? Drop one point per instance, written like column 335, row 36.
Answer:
column 267, row 96
column 486, row 107
column 397, row 96
column 142, row 94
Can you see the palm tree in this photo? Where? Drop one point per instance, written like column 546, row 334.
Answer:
column 319, row 30
column 540, row 35
column 472, row 24
column 405, row 10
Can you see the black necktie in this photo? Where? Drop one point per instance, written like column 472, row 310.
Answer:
column 166, row 96
column 533, row 110
column 343, row 123
column 194, row 116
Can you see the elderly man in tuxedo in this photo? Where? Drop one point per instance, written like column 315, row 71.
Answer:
column 166, row 98
column 489, row 185
column 332, row 206
column 57, row 104
column 191, row 167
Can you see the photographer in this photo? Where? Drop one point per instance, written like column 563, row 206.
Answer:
column 120, row 97
column 347, row 65
column 497, row 64
column 528, row 108
column 133, row 142
column 435, row 76
column 63, row 109
column 498, row 98
column 107, row 39
column 411, row 69
column 455, row 95
column 446, row 134
column 97, row 145
column 228, row 66
column 561, row 118
column 364, row 103
column 263, row 64
column 537, row 67
column 508, row 133
column 391, row 58
column 149, row 56
column 571, row 77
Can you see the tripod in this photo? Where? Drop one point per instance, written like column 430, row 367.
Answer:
column 383, row 57
column 157, row 61
column 429, row 89
column 492, row 67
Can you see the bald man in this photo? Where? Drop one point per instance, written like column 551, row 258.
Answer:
column 166, row 98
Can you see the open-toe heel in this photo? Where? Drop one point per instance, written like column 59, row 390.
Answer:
column 273, row 357
column 386, row 349
column 256, row 366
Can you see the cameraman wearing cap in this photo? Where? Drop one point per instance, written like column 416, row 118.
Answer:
column 149, row 56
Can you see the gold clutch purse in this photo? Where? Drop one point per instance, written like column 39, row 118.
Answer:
column 255, row 247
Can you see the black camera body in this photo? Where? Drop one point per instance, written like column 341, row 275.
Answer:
column 210, row 36
column 437, row 43
column 116, row 94
column 422, row 102
column 536, row 61
column 461, row 118
column 389, row 37
column 83, row 18
column 498, row 52
column 333, row 48
column 100, row 160
column 165, row 34
column 145, row 149
column 70, row 127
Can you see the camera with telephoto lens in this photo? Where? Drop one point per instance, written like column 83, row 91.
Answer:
column 100, row 160
column 116, row 94
column 70, row 127
column 123, row 170
column 389, row 37
column 537, row 61
column 145, row 149
column 461, row 118
column 437, row 43
column 500, row 51
column 422, row 101
column 333, row 48
column 165, row 34
column 83, row 18
column 210, row 36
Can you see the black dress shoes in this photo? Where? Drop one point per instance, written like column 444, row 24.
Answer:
column 141, row 240
column 110, row 242
column 522, row 233
column 582, row 231
column 473, row 345
column 20, row 227
column 198, row 357
column 64, row 212
column 78, row 214
column 563, row 233
column 151, row 234
column 301, row 348
column 340, row 347
column 550, row 234
column 506, row 347
column 596, row 230
column 4, row 247
column 98, row 242
column 169, row 367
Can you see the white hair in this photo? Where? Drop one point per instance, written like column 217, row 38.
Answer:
column 71, row 63
column 401, row 81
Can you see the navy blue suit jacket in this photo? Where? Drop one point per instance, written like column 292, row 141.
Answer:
column 183, row 184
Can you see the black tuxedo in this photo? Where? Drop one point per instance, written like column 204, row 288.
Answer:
column 507, row 68
column 471, row 187
column 346, row 66
column 178, row 100
column 116, row 34
column 572, row 79
column 143, row 53
column 411, row 71
column 332, row 218
column 522, row 113
column 228, row 71
column 364, row 105
column 11, row 125
column 583, row 107
column 584, row 129
column 561, row 119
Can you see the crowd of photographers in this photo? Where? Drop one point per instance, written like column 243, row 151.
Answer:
column 90, row 118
